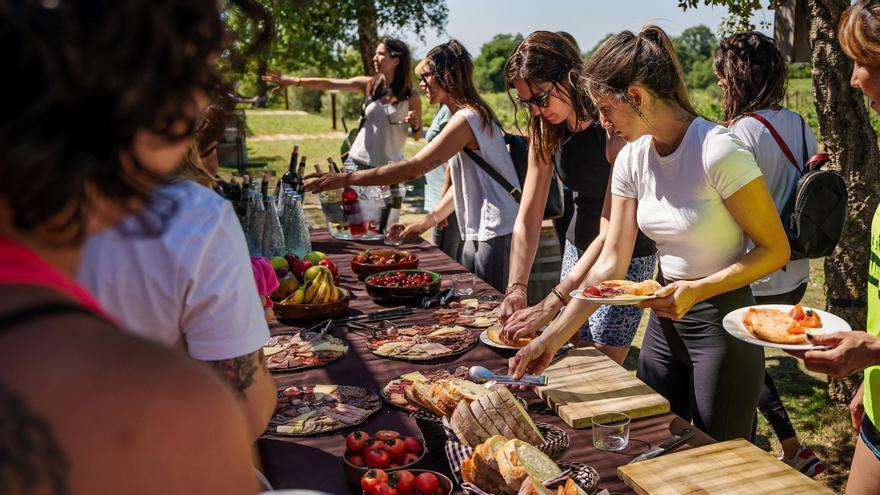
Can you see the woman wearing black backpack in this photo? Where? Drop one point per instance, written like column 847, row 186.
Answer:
column 752, row 74
column 486, row 211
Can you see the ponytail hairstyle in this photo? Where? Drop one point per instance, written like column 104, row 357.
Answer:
column 754, row 74
column 401, row 86
column 859, row 32
column 453, row 70
column 647, row 59
column 546, row 57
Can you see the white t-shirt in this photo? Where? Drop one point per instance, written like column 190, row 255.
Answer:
column 681, row 197
column 484, row 209
column 781, row 177
column 383, row 136
column 191, row 288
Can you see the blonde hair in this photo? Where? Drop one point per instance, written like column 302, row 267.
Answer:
column 859, row 32
column 192, row 168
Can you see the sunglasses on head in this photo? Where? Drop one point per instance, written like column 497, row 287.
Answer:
column 540, row 100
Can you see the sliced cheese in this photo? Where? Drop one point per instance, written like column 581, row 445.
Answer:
column 446, row 331
column 272, row 350
column 329, row 346
column 325, row 389
column 388, row 348
column 482, row 321
column 414, row 376
column 470, row 303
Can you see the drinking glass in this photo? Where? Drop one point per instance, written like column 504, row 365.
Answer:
column 610, row 431
column 393, row 236
column 464, row 283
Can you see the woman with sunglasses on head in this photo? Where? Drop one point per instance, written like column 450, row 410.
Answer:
column 84, row 406
column 694, row 188
column 752, row 74
column 391, row 105
column 485, row 210
column 545, row 70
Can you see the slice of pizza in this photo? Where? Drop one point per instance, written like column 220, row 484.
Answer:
column 614, row 288
column 494, row 334
column 774, row 326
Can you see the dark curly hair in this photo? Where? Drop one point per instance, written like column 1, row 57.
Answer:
column 84, row 78
column 753, row 74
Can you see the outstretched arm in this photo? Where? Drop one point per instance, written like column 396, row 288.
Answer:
column 353, row 84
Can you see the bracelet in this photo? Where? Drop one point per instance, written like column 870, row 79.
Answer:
column 416, row 130
column 433, row 216
column 559, row 295
column 514, row 284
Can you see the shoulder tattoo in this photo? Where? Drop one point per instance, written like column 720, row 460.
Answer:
column 31, row 460
column 240, row 372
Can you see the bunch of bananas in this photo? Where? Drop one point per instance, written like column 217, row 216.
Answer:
column 318, row 290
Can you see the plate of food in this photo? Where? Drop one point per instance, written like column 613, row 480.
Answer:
column 618, row 292
column 316, row 409
column 374, row 261
column 421, row 342
column 474, row 313
column 491, row 337
column 286, row 352
column 782, row 326
column 399, row 392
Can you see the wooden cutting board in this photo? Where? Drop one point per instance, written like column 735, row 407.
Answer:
column 586, row 383
column 731, row 467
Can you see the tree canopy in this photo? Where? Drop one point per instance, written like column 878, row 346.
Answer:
column 489, row 64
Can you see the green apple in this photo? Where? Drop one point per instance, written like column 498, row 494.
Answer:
column 279, row 262
column 312, row 272
column 315, row 257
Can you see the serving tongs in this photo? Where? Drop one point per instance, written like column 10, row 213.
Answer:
column 440, row 297
column 317, row 331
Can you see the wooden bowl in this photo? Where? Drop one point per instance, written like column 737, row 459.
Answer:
column 312, row 311
column 381, row 293
column 367, row 269
column 353, row 474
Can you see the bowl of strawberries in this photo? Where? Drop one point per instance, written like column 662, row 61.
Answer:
column 373, row 261
column 405, row 482
column 386, row 450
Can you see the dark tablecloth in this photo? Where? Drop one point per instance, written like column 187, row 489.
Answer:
column 316, row 462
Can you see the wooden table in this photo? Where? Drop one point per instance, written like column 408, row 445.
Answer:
column 316, row 463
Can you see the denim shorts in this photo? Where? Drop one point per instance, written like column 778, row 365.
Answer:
column 870, row 435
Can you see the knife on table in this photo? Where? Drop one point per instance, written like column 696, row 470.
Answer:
column 378, row 315
column 671, row 443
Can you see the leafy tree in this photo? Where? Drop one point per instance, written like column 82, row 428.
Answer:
column 846, row 132
column 489, row 64
column 694, row 44
column 701, row 74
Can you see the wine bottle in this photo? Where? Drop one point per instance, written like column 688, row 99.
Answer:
column 301, row 171
column 291, row 177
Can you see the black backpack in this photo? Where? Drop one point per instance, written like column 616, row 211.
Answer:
column 814, row 214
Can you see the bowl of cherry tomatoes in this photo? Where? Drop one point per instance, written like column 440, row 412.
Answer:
column 405, row 482
column 397, row 285
column 372, row 261
column 387, row 450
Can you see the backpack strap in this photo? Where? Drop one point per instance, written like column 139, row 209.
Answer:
column 784, row 147
column 514, row 191
column 18, row 317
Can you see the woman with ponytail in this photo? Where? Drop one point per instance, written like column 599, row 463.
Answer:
column 485, row 210
column 695, row 189
column 566, row 136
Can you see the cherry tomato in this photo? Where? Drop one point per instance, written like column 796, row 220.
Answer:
column 396, row 449
column 372, row 478
column 413, row 445
column 427, row 484
column 356, row 460
column 385, row 435
column 384, row 489
column 354, row 442
column 377, row 458
column 372, row 444
column 404, row 482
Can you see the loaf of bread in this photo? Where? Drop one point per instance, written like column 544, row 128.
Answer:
column 442, row 397
column 496, row 413
column 507, row 467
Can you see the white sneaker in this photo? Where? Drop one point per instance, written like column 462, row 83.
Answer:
column 805, row 461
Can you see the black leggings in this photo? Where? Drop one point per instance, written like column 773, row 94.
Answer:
column 770, row 404
column 707, row 375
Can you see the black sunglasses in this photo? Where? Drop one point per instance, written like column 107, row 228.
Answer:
column 539, row 100
column 423, row 78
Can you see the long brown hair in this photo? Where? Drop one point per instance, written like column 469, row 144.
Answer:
column 647, row 58
column 859, row 32
column 401, row 86
column 545, row 57
column 753, row 71
column 453, row 69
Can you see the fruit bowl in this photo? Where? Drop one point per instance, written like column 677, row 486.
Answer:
column 366, row 269
column 444, row 483
column 353, row 473
column 312, row 311
column 395, row 293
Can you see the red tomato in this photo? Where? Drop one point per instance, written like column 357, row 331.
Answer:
column 396, row 449
column 384, row 489
column 354, row 442
column 797, row 312
column 372, row 478
column 592, row 291
column 377, row 458
column 409, row 459
column 373, row 444
column 427, row 484
column 811, row 320
column 413, row 445
column 385, row 435
column 356, row 460
column 404, row 482
column 359, row 258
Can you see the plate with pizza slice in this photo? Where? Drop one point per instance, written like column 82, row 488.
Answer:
column 782, row 326
column 618, row 292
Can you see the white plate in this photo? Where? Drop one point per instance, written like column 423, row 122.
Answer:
column 484, row 338
column 830, row 324
column 610, row 301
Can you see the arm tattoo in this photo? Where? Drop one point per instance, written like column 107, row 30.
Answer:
column 31, row 460
column 240, row 372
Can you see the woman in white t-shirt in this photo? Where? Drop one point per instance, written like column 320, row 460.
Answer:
column 486, row 212
column 695, row 189
column 752, row 73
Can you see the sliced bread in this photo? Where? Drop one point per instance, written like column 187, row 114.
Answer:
column 517, row 415
column 461, row 423
column 483, row 418
column 420, row 393
column 495, row 416
column 519, row 460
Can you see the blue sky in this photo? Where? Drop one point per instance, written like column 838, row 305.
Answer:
column 473, row 22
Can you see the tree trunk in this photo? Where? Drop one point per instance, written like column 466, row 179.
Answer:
column 262, row 86
column 368, row 34
column 852, row 144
